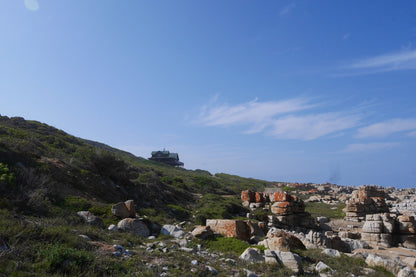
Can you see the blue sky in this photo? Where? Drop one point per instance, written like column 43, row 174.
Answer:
column 297, row 91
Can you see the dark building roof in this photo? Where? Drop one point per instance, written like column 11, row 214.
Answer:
column 166, row 157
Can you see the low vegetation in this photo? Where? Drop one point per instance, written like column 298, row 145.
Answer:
column 328, row 210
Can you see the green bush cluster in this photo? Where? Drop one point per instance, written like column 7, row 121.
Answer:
column 7, row 178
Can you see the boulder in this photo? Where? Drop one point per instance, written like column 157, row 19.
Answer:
column 120, row 210
column 282, row 241
column 320, row 267
column 133, row 225
column 172, row 230
column 202, row 232
column 356, row 244
column 322, row 219
column 89, row 218
column 290, row 260
column 252, row 255
column 230, row 228
column 394, row 266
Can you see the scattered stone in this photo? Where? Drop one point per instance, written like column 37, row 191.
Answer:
column 322, row 219
column 84, row 237
column 212, row 270
column 112, row 228
column 250, row 273
column 194, row 262
column 252, row 255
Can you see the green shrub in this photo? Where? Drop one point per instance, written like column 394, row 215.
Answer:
column 226, row 245
column 179, row 212
column 59, row 258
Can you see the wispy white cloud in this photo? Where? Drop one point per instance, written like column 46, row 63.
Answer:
column 369, row 147
column 387, row 128
column 402, row 60
column 346, row 36
column 255, row 113
column 32, row 5
column 313, row 126
column 281, row 119
column 286, row 9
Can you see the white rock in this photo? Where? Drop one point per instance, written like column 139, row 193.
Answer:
column 322, row 267
column 112, row 228
column 406, row 272
column 331, row 252
column 252, row 255
column 172, row 230
column 290, row 260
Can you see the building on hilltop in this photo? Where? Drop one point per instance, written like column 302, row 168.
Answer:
column 166, row 157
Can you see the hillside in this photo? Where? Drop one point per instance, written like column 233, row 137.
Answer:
column 47, row 177
column 50, row 165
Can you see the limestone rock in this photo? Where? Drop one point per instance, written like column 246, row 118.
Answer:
column 395, row 266
column 406, row 272
column 410, row 261
column 331, row 252
column 133, row 225
column 290, row 260
column 252, row 255
column 172, row 230
column 373, row 227
column 322, row 267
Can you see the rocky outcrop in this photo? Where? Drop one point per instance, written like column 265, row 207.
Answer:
column 388, row 230
column 240, row 229
column 366, row 200
column 378, row 230
column 288, row 210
